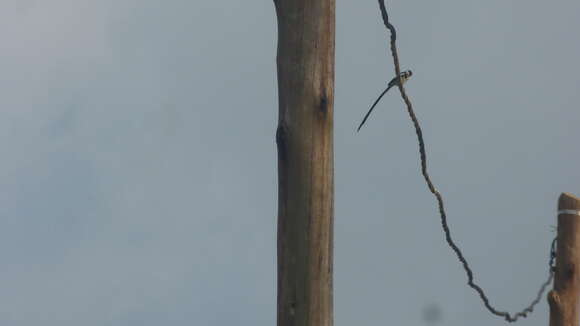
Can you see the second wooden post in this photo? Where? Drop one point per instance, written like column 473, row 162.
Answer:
column 564, row 299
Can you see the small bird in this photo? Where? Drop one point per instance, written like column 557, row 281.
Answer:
column 403, row 77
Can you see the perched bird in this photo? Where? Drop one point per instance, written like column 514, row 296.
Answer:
column 403, row 77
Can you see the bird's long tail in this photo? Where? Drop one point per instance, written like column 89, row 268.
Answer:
column 373, row 106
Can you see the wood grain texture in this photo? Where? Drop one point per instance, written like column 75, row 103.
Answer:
column 304, row 138
column 564, row 298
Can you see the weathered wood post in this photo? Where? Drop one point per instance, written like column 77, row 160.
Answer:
column 564, row 299
column 304, row 138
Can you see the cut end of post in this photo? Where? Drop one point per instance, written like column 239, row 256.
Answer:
column 567, row 201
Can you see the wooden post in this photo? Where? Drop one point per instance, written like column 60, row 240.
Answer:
column 304, row 139
column 564, row 299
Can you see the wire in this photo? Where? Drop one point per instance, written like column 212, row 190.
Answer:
column 470, row 278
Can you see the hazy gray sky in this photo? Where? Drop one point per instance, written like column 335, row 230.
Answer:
column 138, row 170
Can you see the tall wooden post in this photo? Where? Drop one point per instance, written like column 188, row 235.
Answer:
column 304, row 138
column 564, row 299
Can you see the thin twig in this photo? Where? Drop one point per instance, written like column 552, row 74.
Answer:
column 470, row 278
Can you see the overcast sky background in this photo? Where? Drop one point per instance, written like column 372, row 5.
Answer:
column 138, row 170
